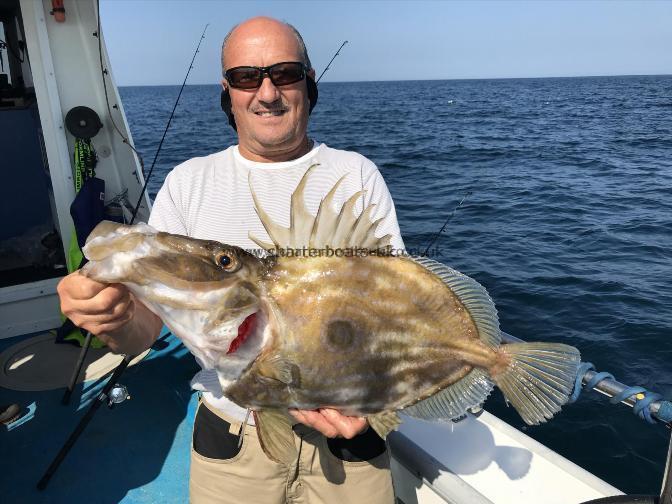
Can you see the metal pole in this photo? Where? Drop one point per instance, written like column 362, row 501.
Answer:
column 607, row 387
column 666, row 492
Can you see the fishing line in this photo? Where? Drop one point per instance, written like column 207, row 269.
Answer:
column 450, row 217
column 103, row 73
column 184, row 83
column 191, row 65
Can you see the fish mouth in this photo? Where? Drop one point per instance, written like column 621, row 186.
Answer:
column 245, row 329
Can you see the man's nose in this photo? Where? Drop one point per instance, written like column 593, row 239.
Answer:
column 267, row 92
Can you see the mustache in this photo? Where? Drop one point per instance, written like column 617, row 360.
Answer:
column 276, row 106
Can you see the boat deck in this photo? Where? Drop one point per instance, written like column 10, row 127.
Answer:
column 137, row 452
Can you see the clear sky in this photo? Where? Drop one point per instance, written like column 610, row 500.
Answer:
column 151, row 42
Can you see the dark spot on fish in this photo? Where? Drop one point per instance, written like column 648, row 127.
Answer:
column 340, row 335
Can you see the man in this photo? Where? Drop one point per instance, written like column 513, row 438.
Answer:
column 340, row 459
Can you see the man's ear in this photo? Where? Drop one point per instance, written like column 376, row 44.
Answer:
column 225, row 85
column 225, row 102
column 312, row 89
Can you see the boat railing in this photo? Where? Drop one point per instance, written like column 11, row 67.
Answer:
column 647, row 405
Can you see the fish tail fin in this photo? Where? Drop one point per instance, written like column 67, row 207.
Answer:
column 538, row 377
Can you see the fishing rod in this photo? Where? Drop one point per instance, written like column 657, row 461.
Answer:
column 112, row 393
column 450, row 217
column 330, row 61
column 165, row 131
column 103, row 73
column 649, row 406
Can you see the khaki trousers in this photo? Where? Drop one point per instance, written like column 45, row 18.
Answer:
column 317, row 476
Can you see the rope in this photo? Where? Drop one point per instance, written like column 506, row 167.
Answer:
column 643, row 398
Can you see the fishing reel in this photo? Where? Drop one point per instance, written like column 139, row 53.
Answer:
column 118, row 394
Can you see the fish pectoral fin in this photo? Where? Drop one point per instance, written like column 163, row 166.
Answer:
column 384, row 422
column 276, row 437
column 281, row 369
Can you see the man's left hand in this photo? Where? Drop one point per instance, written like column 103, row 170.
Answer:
column 330, row 422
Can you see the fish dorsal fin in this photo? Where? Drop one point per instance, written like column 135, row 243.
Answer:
column 474, row 388
column 473, row 296
column 336, row 229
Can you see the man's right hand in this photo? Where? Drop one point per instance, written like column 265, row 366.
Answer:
column 110, row 312
column 93, row 306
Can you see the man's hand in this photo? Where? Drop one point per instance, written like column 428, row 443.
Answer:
column 93, row 306
column 330, row 422
column 110, row 312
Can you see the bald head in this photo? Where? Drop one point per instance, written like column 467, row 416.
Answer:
column 263, row 29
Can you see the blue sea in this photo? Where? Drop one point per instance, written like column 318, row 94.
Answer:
column 566, row 218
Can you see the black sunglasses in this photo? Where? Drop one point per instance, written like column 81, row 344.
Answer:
column 251, row 77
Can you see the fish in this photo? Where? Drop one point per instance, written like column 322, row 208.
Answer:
column 368, row 333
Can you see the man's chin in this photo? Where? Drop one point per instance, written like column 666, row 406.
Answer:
column 275, row 141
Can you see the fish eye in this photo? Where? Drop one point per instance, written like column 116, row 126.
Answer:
column 226, row 261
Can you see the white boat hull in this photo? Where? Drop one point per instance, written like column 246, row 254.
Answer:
column 484, row 460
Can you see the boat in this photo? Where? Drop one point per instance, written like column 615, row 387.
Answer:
column 55, row 64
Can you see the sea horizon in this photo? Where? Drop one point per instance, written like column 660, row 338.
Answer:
column 451, row 79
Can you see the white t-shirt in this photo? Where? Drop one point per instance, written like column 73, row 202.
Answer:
column 209, row 198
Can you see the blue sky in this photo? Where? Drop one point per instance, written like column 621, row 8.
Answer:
column 151, row 42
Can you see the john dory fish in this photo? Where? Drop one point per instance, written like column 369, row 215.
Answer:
column 368, row 335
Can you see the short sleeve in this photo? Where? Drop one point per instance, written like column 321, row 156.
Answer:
column 377, row 193
column 167, row 214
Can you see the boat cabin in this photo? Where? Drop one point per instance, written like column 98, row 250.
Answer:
column 47, row 69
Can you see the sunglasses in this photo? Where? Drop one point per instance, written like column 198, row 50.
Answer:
column 251, row 77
